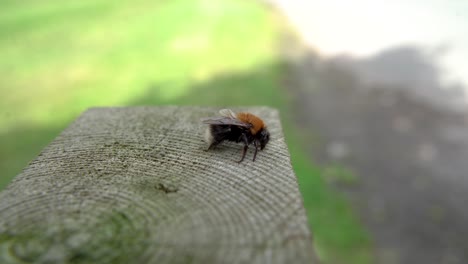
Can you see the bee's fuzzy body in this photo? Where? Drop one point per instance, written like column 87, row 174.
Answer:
column 242, row 127
column 218, row 133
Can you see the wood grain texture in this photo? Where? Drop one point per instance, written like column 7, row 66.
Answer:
column 135, row 185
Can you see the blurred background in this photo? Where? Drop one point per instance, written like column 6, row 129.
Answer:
column 372, row 96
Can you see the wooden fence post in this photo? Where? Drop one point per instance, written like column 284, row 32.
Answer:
column 135, row 185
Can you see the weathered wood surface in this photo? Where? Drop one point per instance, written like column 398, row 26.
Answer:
column 135, row 185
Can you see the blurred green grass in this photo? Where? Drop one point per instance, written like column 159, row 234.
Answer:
column 59, row 58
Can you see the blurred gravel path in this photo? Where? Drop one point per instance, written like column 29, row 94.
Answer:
column 404, row 134
column 390, row 119
column 409, row 154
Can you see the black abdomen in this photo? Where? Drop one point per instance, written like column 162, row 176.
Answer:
column 229, row 133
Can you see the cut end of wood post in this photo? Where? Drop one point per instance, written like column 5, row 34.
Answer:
column 137, row 185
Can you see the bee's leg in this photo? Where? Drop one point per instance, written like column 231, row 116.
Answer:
column 243, row 153
column 213, row 145
column 246, row 146
column 256, row 149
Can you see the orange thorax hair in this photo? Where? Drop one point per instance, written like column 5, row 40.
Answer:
column 257, row 123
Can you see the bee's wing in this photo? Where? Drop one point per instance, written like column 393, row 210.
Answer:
column 227, row 113
column 225, row 121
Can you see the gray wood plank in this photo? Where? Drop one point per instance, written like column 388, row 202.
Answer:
column 135, row 185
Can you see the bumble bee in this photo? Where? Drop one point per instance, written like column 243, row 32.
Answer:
column 241, row 127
